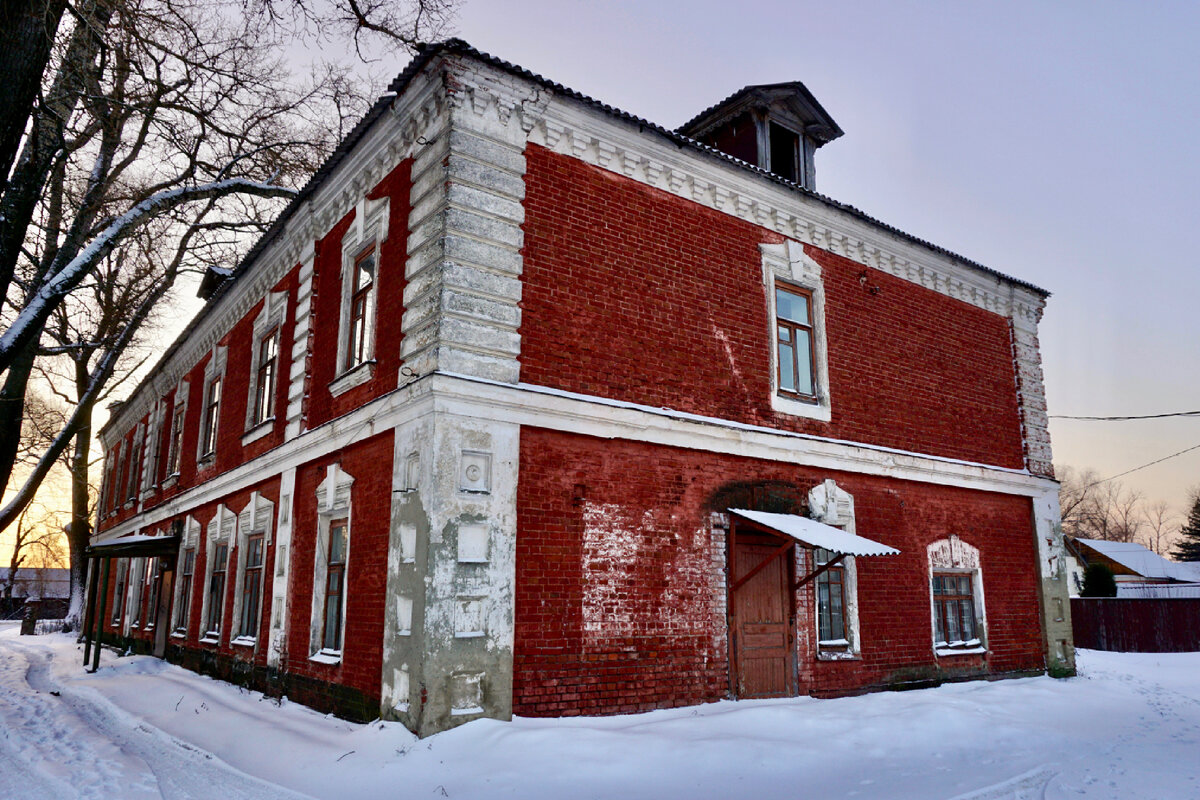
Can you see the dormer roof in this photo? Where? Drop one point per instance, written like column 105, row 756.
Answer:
column 790, row 103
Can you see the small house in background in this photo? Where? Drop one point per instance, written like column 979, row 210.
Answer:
column 526, row 405
column 50, row 585
column 1139, row 571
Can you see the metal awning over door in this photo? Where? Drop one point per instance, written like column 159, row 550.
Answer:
column 811, row 533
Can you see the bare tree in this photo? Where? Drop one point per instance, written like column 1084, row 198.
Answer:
column 168, row 120
column 1094, row 508
column 37, row 542
column 1161, row 524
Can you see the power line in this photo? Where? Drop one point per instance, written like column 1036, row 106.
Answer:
column 1122, row 419
column 1143, row 466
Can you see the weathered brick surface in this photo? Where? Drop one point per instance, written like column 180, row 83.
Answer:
column 370, row 463
column 634, row 294
column 620, row 586
column 322, row 406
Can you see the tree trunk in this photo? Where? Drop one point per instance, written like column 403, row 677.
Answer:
column 27, row 30
column 79, row 531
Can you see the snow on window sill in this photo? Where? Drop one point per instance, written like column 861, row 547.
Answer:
column 460, row 712
column 355, row 376
column 468, row 634
column 212, row 637
column 327, row 657
column 260, row 430
column 178, row 635
column 170, row 480
column 971, row 648
column 206, row 461
column 245, row 641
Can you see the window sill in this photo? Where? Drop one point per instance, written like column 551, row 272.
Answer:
column 835, row 655
column 959, row 651
column 170, row 480
column 326, row 657
column 355, row 376
column 245, row 641
column 259, row 431
column 211, row 638
column 818, row 410
column 206, row 461
column 178, row 635
column 461, row 712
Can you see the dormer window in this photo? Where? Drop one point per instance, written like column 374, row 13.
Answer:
column 776, row 127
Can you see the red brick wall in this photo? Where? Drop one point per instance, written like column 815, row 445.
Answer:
column 634, row 294
column 369, row 463
column 645, row 573
column 389, row 306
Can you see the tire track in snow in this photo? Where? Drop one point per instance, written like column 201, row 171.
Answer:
column 80, row 745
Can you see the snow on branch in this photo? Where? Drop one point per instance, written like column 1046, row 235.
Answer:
column 31, row 320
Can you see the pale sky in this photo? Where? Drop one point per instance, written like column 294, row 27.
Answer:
column 1052, row 142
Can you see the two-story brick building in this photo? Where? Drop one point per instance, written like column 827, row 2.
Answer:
column 526, row 405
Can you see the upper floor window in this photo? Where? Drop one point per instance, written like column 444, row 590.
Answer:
column 175, row 447
column 362, row 309
column 212, row 409
column 134, row 467
column 794, row 342
column 264, row 385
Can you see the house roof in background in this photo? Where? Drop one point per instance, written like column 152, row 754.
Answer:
column 1143, row 561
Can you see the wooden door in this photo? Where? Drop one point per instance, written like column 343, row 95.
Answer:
column 761, row 628
column 162, row 623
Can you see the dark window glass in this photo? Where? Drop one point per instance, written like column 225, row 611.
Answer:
column 331, row 638
column 216, row 588
column 264, row 387
column 954, row 609
column 251, row 586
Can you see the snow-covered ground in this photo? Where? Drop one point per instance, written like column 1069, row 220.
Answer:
column 1127, row 727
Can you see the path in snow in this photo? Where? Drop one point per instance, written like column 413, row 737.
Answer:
column 63, row 742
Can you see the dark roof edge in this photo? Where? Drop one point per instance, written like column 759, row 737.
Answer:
column 425, row 54
column 707, row 114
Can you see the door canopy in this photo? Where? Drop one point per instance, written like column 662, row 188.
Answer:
column 811, row 533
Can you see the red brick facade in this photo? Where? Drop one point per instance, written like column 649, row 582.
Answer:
column 664, row 641
column 634, row 294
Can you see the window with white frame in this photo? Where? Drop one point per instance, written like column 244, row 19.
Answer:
column 135, row 465
column 331, row 565
column 153, row 577
column 956, row 598
column 836, row 587
column 265, row 361
column 150, row 461
column 210, row 413
column 184, row 583
column 137, row 581
column 360, row 273
column 118, row 604
column 798, row 352
column 175, row 440
column 219, row 536
column 254, row 533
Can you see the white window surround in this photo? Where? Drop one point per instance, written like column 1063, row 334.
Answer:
column 180, row 402
column 221, row 529
column 953, row 555
column 270, row 318
column 333, row 503
column 255, row 518
column 137, row 584
column 214, row 369
column 153, row 448
column 189, row 539
column 829, row 503
column 787, row 263
column 369, row 229
column 133, row 478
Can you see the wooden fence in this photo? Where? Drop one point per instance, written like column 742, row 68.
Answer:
column 1137, row 625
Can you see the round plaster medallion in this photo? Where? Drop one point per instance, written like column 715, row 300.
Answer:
column 474, row 472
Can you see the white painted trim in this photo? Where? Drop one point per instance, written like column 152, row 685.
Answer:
column 539, row 406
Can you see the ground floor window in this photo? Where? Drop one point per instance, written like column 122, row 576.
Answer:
column 954, row 610
column 831, row 602
column 335, row 580
column 182, row 609
column 216, row 590
column 251, row 586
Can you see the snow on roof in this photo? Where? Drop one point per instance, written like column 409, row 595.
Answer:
column 1143, row 561
column 817, row 534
